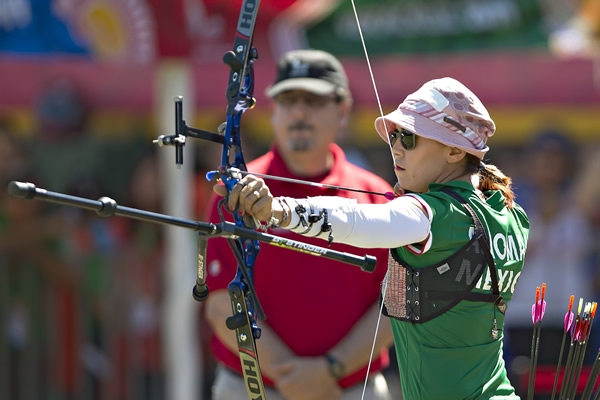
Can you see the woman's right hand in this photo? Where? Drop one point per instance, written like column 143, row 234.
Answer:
column 250, row 195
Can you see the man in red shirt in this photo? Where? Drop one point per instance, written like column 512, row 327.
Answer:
column 321, row 314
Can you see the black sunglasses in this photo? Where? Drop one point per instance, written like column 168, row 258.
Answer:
column 408, row 140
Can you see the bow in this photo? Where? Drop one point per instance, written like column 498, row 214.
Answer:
column 239, row 94
column 240, row 98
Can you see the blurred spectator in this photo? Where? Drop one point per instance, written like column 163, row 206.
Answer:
column 558, row 247
column 56, row 260
column 136, row 302
column 30, row 273
column 587, row 198
column 82, row 293
column 579, row 35
column 16, row 276
column 88, row 246
column 587, row 190
column 13, row 158
column 7, row 150
column 61, row 110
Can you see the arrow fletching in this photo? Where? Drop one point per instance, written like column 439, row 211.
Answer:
column 542, row 304
column 569, row 316
column 534, row 309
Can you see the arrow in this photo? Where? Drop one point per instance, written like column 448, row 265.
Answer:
column 575, row 334
column 537, row 313
column 589, row 314
column 566, row 327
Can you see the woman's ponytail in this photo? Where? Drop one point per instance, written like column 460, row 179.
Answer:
column 492, row 178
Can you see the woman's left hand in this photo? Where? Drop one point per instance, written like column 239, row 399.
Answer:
column 250, row 195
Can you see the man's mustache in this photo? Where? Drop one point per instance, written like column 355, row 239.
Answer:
column 300, row 125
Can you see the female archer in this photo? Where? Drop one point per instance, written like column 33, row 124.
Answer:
column 457, row 240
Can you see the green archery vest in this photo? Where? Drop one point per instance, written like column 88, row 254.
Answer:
column 450, row 347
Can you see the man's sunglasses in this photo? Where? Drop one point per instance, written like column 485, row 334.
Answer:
column 290, row 98
column 408, row 140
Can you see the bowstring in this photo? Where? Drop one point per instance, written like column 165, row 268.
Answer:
column 384, row 288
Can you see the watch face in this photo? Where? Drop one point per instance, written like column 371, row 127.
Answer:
column 335, row 367
column 337, row 370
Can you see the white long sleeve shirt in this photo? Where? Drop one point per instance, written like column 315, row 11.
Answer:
column 394, row 224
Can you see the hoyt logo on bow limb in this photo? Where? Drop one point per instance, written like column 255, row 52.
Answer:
column 247, row 17
column 251, row 375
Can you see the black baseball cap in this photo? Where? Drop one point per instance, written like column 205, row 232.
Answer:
column 315, row 71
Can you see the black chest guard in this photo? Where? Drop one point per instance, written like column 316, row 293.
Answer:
column 419, row 295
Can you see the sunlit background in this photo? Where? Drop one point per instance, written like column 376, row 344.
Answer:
column 97, row 308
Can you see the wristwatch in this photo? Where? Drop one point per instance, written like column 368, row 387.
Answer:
column 336, row 368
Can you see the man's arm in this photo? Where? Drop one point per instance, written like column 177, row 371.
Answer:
column 354, row 350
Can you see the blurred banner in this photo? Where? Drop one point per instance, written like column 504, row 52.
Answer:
column 431, row 26
column 132, row 31
column 104, row 53
column 142, row 31
column 105, row 29
column 37, row 27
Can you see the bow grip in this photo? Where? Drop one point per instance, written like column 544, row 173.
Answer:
column 230, row 178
